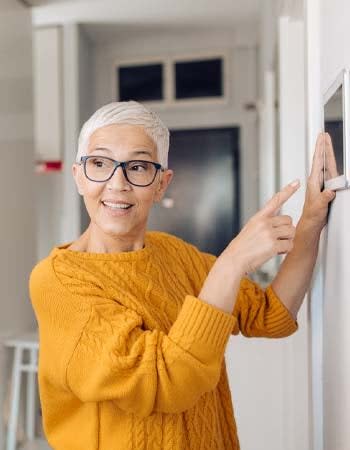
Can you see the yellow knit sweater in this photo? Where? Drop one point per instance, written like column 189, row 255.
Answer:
column 130, row 358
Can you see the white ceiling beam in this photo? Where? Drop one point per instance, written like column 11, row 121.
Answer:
column 167, row 12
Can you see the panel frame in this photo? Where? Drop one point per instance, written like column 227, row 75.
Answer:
column 342, row 80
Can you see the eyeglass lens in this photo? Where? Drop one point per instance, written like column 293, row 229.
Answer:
column 138, row 172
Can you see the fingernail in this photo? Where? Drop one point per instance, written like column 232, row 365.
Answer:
column 295, row 182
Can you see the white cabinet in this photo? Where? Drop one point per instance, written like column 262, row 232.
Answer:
column 48, row 93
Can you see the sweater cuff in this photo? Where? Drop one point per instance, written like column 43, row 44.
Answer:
column 202, row 329
column 279, row 319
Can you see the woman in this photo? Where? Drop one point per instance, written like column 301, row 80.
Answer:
column 134, row 324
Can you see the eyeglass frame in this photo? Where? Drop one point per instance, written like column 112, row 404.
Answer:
column 158, row 167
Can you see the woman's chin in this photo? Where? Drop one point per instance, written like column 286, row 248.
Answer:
column 120, row 226
column 116, row 230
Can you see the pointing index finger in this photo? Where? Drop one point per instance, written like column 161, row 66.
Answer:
column 278, row 200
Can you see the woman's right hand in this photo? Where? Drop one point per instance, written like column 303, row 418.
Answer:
column 264, row 236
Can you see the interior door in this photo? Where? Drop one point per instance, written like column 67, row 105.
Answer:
column 201, row 204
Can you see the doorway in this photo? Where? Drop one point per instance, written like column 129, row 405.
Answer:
column 201, row 205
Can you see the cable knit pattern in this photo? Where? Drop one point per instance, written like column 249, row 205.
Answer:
column 130, row 358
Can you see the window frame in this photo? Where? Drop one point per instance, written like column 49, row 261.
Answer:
column 169, row 81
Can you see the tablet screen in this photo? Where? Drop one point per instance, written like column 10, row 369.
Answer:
column 334, row 144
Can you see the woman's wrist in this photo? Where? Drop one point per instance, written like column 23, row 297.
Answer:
column 234, row 257
column 309, row 230
column 222, row 284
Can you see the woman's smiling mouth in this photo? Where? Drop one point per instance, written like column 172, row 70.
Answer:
column 117, row 208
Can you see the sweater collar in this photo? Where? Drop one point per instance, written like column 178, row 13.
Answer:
column 117, row 256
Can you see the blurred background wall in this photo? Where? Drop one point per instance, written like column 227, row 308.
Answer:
column 17, row 180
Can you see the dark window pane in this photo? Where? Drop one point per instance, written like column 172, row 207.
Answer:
column 142, row 83
column 199, row 78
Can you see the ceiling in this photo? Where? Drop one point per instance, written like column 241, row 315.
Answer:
column 47, row 2
column 147, row 12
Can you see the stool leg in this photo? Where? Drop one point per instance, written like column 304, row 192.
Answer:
column 30, row 421
column 15, row 398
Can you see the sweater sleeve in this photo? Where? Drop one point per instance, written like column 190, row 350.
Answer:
column 148, row 371
column 259, row 312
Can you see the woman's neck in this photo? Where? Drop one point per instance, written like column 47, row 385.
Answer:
column 94, row 240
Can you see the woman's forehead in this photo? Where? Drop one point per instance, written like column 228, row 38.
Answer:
column 121, row 137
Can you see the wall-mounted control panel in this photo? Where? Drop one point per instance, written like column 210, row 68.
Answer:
column 336, row 124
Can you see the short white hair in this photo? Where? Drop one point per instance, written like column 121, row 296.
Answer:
column 127, row 113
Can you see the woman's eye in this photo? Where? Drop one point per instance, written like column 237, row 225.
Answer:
column 98, row 162
column 138, row 167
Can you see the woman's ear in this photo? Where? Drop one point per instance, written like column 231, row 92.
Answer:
column 163, row 184
column 76, row 171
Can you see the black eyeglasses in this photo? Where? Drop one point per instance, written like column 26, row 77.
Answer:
column 137, row 172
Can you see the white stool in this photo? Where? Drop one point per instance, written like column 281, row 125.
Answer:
column 20, row 344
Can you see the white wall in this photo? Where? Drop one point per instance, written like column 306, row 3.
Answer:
column 292, row 165
column 335, row 55
column 48, row 133
column 70, row 220
column 17, row 225
column 48, row 188
column 267, row 119
column 268, row 41
column 314, row 125
column 47, row 57
column 86, row 97
column 17, row 169
column 86, row 76
column 328, row 53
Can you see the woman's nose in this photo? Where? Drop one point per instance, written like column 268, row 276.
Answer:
column 118, row 180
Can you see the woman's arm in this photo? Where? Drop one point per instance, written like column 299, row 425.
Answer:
column 294, row 276
column 256, row 306
column 264, row 236
column 148, row 371
column 259, row 312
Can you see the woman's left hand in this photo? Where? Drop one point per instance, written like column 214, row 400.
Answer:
column 316, row 204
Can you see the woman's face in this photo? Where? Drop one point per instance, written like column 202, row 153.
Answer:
column 122, row 143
